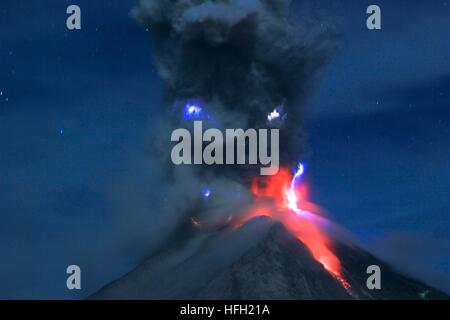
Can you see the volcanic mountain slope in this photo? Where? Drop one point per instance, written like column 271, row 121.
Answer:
column 261, row 260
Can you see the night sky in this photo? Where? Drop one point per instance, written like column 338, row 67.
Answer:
column 77, row 109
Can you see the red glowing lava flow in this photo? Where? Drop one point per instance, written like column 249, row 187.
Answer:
column 279, row 198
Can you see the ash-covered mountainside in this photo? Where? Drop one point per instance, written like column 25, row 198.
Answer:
column 261, row 260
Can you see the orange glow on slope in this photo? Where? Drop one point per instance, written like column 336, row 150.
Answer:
column 275, row 198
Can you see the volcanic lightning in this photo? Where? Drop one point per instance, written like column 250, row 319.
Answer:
column 290, row 193
column 273, row 115
column 192, row 111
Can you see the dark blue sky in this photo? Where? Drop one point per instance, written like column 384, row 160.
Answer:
column 75, row 113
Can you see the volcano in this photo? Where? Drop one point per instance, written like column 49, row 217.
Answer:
column 260, row 260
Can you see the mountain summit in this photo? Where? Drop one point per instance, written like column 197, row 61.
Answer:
column 261, row 260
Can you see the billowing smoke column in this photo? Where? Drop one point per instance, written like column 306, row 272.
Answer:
column 233, row 64
column 239, row 59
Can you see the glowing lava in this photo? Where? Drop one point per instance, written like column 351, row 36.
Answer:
column 283, row 199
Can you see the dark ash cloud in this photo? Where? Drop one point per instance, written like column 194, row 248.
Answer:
column 240, row 60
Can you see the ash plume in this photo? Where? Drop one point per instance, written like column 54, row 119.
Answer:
column 240, row 59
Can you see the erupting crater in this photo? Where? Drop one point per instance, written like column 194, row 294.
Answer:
column 282, row 197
